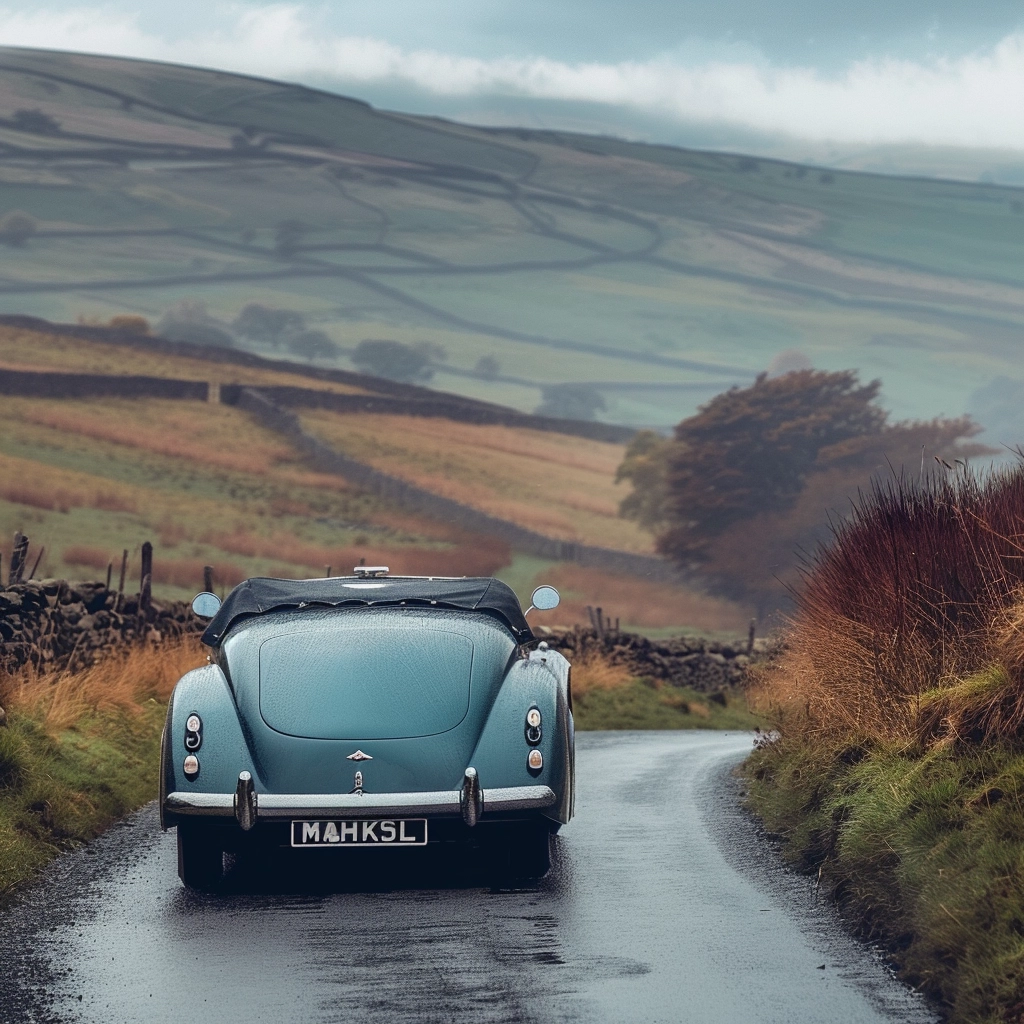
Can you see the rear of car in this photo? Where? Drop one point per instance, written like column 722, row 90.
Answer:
column 351, row 726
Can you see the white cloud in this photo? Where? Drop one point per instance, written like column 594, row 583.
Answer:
column 968, row 101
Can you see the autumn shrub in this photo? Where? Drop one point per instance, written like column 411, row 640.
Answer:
column 911, row 616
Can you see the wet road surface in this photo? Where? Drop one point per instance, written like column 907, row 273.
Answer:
column 662, row 905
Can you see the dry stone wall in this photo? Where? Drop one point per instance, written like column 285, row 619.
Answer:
column 54, row 624
column 707, row 666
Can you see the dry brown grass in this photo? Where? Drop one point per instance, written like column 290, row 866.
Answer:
column 639, row 603
column 34, row 490
column 478, row 556
column 88, row 556
column 560, row 486
column 592, row 672
column 120, row 682
column 188, row 572
column 211, row 435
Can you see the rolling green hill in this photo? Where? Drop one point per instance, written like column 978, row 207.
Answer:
column 660, row 275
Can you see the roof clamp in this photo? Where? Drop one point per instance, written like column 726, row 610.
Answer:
column 246, row 803
column 370, row 571
column 471, row 798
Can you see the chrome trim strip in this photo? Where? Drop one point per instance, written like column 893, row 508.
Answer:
column 518, row 798
column 354, row 805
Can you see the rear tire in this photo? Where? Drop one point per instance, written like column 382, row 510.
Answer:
column 521, row 853
column 200, row 858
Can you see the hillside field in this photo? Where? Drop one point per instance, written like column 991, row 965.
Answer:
column 656, row 275
column 90, row 477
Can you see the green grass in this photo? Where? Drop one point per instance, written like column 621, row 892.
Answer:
column 57, row 792
column 924, row 851
column 644, row 704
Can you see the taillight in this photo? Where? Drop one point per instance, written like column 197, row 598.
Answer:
column 533, row 730
column 193, row 732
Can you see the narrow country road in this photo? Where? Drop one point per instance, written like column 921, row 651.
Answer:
column 663, row 906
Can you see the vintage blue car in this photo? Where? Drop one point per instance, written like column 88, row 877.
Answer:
column 347, row 716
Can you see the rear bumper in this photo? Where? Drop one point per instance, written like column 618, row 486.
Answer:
column 510, row 802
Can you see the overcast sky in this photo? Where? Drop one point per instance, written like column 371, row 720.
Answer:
column 939, row 72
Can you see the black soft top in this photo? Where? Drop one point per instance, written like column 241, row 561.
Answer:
column 472, row 593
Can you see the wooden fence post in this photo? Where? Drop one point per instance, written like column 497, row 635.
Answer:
column 124, row 571
column 19, row 551
column 208, row 579
column 146, row 576
column 39, row 558
column 110, row 572
column 750, row 636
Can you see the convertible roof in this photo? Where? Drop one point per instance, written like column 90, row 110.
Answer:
column 472, row 593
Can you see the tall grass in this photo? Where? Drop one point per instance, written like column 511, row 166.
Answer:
column 80, row 749
column 909, row 623
column 120, row 682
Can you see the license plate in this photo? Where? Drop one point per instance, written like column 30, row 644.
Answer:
column 369, row 832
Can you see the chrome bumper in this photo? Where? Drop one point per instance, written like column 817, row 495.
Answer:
column 280, row 806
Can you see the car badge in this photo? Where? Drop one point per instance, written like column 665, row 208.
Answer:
column 359, row 756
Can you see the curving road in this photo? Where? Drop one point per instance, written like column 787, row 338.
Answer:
column 663, row 905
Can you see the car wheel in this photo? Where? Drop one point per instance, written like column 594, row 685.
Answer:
column 200, row 858
column 522, row 853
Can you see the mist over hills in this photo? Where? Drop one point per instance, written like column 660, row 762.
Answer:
column 519, row 259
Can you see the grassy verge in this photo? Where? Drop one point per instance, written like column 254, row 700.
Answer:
column 78, row 751
column 924, row 851
column 643, row 704
column 606, row 696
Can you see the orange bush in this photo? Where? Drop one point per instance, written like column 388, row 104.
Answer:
column 908, row 623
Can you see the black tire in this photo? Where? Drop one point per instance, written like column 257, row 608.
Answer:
column 521, row 853
column 200, row 858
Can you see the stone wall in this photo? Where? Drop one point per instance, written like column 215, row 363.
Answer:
column 707, row 666
column 54, row 624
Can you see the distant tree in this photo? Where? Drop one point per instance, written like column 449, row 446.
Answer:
column 313, row 345
column 16, row 228
column 189, row 321
column 488, row 367
column 268, row 326
column 646, row 468
column 570, row 401
column 393, row 359
column 752, row 479
column 749, row 450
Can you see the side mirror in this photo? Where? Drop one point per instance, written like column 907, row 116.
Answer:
column 544, row 599
column 206, row 605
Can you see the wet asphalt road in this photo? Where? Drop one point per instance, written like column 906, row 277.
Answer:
column 663, row 905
